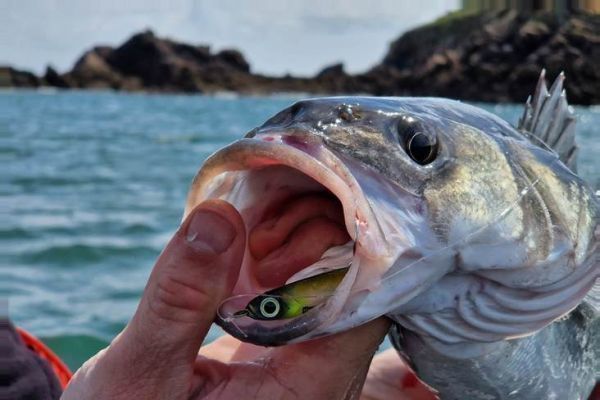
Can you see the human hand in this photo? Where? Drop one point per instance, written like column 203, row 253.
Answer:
column 390, row 378
column 156, row 355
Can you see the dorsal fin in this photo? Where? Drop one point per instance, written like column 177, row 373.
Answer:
column 549, row 121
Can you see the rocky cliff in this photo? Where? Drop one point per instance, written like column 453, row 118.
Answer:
column 146, row 62
column 495, row 57
column 12, row 77
column 484, row 57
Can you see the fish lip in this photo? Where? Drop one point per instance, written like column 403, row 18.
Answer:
column 316, row 161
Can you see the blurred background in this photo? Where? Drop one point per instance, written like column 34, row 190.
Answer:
column 107, row 109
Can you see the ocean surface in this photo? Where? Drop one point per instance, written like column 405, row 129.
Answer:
column 93, row 185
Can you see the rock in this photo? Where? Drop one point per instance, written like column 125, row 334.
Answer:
column 93, row 71
column 53, row 78
column 500, row 28
column 147, row 58
column 494, row 56
column 497, row 57
column 533, row 32
column 333, row 79
column 12, row 77
column 234, row 59
column 163, row 64
column 334, row 70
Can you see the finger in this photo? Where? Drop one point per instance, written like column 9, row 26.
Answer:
column 334, row 367
column 327, row 368
column 346, row 355
column 192, row 276
column 221, row 349
column 390, row 378
column 229, row 349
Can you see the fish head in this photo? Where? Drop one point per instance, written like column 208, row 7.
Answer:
column 421, row 188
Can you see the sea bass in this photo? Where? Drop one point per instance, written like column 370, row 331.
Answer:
column 476, row 238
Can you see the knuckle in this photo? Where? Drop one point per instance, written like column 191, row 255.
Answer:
column 179, row 300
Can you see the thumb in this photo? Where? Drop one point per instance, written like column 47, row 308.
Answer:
column 194, row 274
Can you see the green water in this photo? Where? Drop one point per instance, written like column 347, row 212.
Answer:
column 93, row 185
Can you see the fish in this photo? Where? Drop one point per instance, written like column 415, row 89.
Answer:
column 476, row 238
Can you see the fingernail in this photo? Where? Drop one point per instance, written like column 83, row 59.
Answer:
column 210, row 232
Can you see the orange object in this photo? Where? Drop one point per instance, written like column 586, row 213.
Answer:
column 63, row 373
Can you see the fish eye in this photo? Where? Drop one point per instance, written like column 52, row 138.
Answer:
column 269, row 307
column 420, row 145
column 422, row 148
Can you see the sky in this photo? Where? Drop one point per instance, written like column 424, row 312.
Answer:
column 276, row 36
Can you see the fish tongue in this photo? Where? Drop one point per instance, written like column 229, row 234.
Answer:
column 335, row 258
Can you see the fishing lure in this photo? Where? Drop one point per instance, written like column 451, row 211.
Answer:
column 294, row 299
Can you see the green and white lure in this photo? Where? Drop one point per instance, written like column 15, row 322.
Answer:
column 294, row 299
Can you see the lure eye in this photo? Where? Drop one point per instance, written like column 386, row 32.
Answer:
column 421, row 148
column 269, row 307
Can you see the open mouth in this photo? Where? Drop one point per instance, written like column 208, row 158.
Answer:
column 294, row 233
column 300, row 205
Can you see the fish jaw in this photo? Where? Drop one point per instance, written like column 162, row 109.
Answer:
column 387, row 223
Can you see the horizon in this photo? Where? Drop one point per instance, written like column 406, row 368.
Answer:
column 322, row 33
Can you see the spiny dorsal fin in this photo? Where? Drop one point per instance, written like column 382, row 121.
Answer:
column 549, row 121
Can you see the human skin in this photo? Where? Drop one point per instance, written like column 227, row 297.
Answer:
column 158, row 356
column 388, row 377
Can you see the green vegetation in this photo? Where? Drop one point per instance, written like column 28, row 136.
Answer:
column 451, row 17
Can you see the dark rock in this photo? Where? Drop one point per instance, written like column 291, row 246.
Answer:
column 53, row 78
column 498, row 57
column 533, row 32
column 333, row 79
column 93, row 71
column 12, row 77
column 334, row 70
column 234, row 59
column 163, row 64
column 493, row 56
column 146, row 57
column 414, row 47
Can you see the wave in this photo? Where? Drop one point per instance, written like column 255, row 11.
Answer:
column 17, row 233
column 56, row 181
column 78, row 254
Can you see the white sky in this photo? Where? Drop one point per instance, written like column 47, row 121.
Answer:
column 276, row 36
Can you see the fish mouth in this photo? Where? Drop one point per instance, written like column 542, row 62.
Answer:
column 298, row 200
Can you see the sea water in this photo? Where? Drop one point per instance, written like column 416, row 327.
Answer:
column 93, row 185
